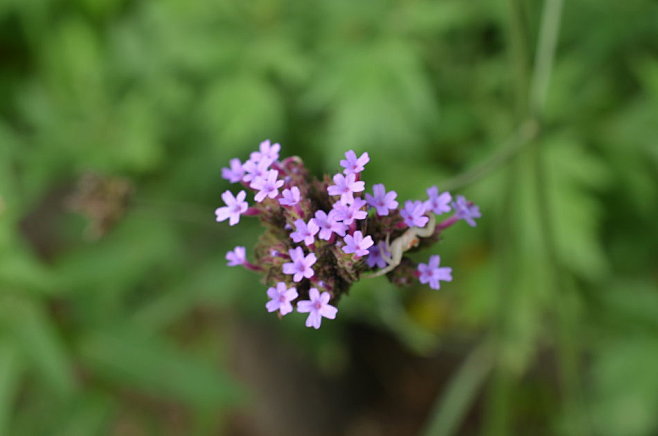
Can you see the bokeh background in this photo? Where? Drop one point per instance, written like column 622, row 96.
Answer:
column 119, row 316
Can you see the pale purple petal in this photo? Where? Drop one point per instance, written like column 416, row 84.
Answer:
column 328, row 311
column 314, row 320
column 345, row 186
column 413, row 213
column 381, row 200
column 290, row 197
column 317, row 306
column 237, row 256
column 466, row 210
column 235, row 206
column 352, row 164
column 357, row 244
column 235, row 172
column 431, row 274
column 266, row 151
column 304, row 306
column 438, row 203
column 300, row 266
column 375, row 257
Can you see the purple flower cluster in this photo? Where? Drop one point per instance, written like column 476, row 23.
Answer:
column 322, row 235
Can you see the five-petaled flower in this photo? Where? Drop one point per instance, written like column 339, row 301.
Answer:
column 300, row 266
column 329, row 224
column 376, row 255
column 281, row 298
column 348, row 213
column 346, row 186
column 290, row 197
column 266, row 151
column 235, row 173
column 235, row 206
column 431, row 273
column 267, row 185
column 413, row 213
column 305, row 232
column 254, row 169
column 317, row 306
column 382, row 201
column 237, row 256
column 438, row 203
column 466, row 210
column 357, row 244
column 352, row 164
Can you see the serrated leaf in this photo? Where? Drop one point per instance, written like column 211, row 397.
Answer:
column 377, row 97
column 243, row 110
column 573, row 176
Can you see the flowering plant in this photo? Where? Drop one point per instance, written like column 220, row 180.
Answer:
column 322, row 235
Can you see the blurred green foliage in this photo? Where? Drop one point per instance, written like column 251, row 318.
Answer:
column 163, row 93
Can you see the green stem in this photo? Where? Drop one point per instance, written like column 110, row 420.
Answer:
column 449, row 409
column 546, row 47
column 523, row 136
column 497, row 413
column 567, row 346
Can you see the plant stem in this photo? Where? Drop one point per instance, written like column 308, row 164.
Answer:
column 450, row 408
column 567, row 347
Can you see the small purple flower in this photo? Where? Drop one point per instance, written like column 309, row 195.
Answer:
column 235, row 173
column 466, row 210
column 357, row 244
column 352, row 164
column 317, row 306
column 305, row 232
column 290, row 197
column 301, row 265
column 375, row 257
column 266, row 151
column 267, row 185
column 254, row 169
column 414, row 213
column 438, row 203
column 382, row 201
column 347, row 213
column 235, row 206
column 328, row 224
column 237, row 256
column 431, row 273
column 281, row 298
column 346, row 186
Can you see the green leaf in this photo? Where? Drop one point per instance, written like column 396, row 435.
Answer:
column 573, row 177
column 626, row 387
column 88, row 415
column 40, row 342
column 124, row 356
column 10, row 372
column 208, row 284
column 243, row 110
column 377, row 97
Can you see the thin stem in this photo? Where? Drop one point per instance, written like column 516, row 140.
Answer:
column 498, row 410
column 519, row 53
column 517, row 142
column 544, row 58
column 450, row 408
column 566, row 343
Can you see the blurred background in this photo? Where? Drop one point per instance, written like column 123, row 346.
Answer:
column 119, row 316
